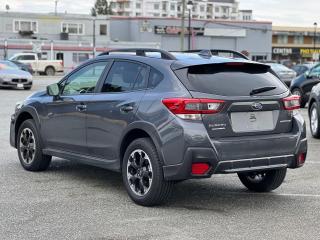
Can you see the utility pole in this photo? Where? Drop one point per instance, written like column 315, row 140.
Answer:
column 182, row 25
column 94, row 37
column 315, row 41
column 56, row 7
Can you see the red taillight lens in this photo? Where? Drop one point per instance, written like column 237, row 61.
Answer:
column 200, row 168
column 301, row 158
column 291, row 103
column 188, row 107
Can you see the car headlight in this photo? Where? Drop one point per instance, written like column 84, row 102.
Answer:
column 18, row 106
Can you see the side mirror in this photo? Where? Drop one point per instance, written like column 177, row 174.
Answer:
column 53, row 90
column 307, row 74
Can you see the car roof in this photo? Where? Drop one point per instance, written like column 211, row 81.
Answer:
column 183, row 60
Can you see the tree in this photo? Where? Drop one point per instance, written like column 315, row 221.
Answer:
column 102, row 7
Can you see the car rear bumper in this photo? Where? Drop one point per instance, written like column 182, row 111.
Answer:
column 246, row 154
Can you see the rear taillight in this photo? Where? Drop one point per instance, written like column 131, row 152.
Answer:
column 200, row 168
column 291, row 103
column 192, row 108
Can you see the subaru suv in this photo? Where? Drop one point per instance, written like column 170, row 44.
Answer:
column 159, row 118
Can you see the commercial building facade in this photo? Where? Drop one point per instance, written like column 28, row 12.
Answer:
column 75, row 38
column 297, row 44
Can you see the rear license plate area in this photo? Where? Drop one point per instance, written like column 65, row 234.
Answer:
column 252, row 121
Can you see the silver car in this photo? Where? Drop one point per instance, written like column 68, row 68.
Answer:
column 12, row 76
column 285, row 74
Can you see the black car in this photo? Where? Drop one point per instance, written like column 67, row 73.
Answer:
column 314, row 111
column 159, row 121
column 23, row 66
column 302, row 68
column 303, row 84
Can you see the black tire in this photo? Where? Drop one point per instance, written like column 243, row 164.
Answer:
column 303, row 101
column 31, row 160
column 314, row 118
column 159, row 190
column 50, row 71
column 263, row 181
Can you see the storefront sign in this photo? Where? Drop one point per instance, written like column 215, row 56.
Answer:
column 174, row 30
column 282, row 51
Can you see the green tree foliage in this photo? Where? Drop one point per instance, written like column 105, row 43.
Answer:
column 101, row 7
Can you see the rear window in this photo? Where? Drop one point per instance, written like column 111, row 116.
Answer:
column 232, row 79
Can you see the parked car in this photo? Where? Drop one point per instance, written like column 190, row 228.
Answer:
column 314, row 111
column 302, row 68
column 12, row 76
column 303, row 84
column 286, row 74
column 159, row 121
column 24, row 67
column 48, row 67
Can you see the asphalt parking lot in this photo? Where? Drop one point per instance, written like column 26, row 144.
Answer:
column 72, row 201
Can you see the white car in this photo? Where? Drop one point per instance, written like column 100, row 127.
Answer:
column 12, row 76
column 48, row 67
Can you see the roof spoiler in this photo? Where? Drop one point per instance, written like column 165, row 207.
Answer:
column 208, row 53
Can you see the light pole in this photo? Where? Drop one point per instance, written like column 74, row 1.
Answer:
column 189, row 7
column 94, row 37
column 315, row 40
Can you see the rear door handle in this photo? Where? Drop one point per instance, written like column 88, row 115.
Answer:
column 81, row 107
column 127, row 109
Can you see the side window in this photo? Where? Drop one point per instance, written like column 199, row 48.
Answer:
column 125, row 76
column 155, row 78
column 84, row 80
column 315, row 72
column 25, row 58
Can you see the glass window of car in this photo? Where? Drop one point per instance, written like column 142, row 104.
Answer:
column 125, row 76
column 25, row 58
column 155, row 78
column 84, row 80
column 315, row 72
column 10, row 65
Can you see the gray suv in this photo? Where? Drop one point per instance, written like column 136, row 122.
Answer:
column 159, row 118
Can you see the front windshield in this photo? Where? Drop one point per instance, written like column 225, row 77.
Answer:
column 8, row 65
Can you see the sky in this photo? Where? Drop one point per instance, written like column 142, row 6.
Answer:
column 280, row 12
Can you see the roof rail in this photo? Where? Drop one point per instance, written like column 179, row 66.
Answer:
column 215, row 52
column 141, row 52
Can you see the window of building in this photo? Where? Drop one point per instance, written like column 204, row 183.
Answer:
column 103, row 29
column 127, row 4
column 283, row 39
column 138, row 5
column 172, row 7
column 156, row 6
column 73, row 28
column 164, row 6
column 298, row 40
column 202, row 8
column 25, row 26
column 80, row 57
column 217, row 9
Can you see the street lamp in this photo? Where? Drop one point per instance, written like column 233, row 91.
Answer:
column 189, row 7
column 315, row 40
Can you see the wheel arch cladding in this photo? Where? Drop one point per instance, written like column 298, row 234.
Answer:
column 23, row 116
column 134, row 134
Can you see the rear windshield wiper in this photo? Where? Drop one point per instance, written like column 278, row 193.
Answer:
column 261, row 90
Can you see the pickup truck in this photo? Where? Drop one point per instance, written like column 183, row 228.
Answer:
column 48, row 67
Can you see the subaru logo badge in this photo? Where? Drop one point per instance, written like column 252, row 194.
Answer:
column 257, row 106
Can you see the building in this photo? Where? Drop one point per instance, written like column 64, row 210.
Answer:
column 75, row 38
column 297, row 44
column 202, row 9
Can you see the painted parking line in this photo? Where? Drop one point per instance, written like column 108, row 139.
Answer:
column 275, row 194
column 312, row 162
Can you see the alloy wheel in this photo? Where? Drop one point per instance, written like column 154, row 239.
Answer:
column 314, row 120
column 27, row 146
column 139, row 172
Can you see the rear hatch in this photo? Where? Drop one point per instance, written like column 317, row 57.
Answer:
column 253, row 98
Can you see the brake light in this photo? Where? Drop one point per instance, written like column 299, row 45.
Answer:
column 192, row 108
column 301, row 158
column 291, row 103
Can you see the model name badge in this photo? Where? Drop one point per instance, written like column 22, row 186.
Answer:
column 217, row 126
